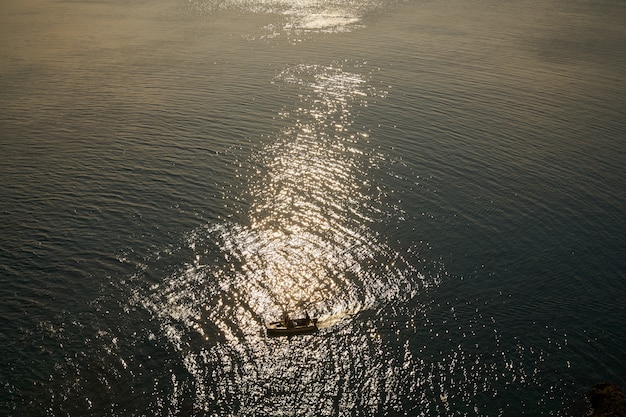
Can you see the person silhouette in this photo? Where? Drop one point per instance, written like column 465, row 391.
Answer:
column 287, row 321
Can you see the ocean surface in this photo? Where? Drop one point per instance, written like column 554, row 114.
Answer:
column 441, row 182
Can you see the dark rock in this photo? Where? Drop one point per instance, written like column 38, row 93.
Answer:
column 607, row 400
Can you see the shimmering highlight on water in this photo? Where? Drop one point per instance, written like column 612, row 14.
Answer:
column 306, row 247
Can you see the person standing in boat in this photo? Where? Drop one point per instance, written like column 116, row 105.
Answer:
column 287, row 321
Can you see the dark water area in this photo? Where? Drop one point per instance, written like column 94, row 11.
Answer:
column 439, row 182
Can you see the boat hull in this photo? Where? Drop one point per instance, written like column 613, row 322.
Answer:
column 278, row 328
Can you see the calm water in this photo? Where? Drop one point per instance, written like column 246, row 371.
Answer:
column 441, row 182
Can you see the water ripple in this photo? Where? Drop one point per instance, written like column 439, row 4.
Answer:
column 307, row 245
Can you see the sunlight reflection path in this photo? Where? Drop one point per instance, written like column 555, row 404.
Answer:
column 309, row 245
column 296, row 19
column 312, row 240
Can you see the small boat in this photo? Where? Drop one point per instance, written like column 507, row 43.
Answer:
column 288, row 327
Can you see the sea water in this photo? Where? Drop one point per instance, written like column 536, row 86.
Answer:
column 440, row 182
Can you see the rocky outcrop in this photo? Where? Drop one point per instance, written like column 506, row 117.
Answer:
column 607, row 400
